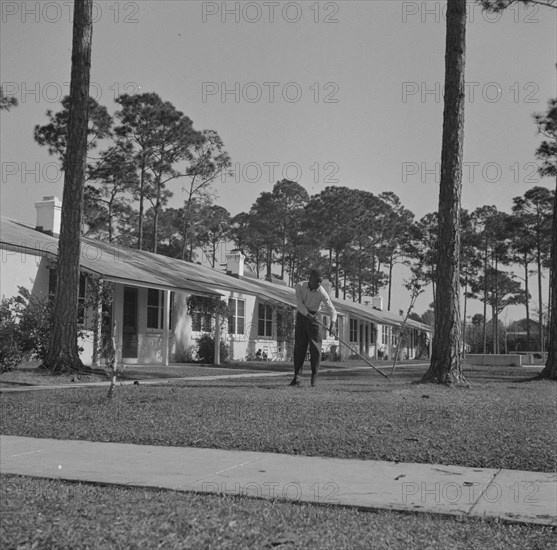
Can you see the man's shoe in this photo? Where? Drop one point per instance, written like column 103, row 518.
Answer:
column 295, row 381
column 313, row 379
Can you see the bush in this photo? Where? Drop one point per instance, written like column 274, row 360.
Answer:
column 11, row 354
column 26, row 322
column 35, row 324
column 186, row 355
column 206, row 349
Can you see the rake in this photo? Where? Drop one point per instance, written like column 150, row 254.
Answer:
column 354, row 351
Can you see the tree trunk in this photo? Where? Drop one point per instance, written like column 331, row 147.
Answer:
column 344, row 287
column 550, row 370
column 141, row 200
column 156, row 225
column 336, row 273
column 484, row 325
column 110, row 219
column 540, row 297
column 390, row 284
column 493, row 330
column 527, row 300
column 464, row 316
column 445, row 366
column 63, row 355
column 495, row 310
column 269, row 262
column 185, row 227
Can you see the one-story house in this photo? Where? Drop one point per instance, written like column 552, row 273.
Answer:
column 149, row 313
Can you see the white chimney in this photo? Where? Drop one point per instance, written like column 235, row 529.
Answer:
column 377, row 303
column 235, row 263
column 49, row 215
column 326, row 284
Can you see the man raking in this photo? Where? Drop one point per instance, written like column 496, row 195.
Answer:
column 310, row 295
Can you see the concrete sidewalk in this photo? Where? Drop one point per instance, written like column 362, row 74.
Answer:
column 529, row 497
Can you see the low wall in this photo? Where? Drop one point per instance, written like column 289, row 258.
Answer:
column 494, row 360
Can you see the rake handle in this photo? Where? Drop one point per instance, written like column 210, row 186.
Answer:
column 353, row 350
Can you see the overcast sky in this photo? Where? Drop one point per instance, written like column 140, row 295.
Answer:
column 326, row 93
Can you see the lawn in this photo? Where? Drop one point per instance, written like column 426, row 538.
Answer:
column 52, row 514
column 29, row 374
column 498, row 422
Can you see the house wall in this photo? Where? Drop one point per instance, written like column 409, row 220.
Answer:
column 18, row 268
column 366, row 342
column 183, row 341
column 243, row 345
column 22, row 269
column 246, row 346
column 150, row 341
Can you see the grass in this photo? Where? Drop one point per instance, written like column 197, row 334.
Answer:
column 497, row 423
column 28, row 374
column 52, row 514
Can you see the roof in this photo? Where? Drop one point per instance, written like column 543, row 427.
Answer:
column 113, row 262
column 287, row 295
column 140, row 268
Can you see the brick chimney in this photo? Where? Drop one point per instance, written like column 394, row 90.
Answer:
column 235, row 263
column 49, row 215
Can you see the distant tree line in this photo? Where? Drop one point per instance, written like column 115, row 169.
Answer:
column 148, row 151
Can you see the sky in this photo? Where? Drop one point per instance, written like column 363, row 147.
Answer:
column 324, row 93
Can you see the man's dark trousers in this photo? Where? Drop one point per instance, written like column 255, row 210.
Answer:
column 307, row 332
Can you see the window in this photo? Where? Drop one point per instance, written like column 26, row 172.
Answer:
column 285, row 324
column 155, row 308
column 373, row 328
column 265, row 324
column 201, row 322
column 237, row 321
column 353, row 330
column 80, row 297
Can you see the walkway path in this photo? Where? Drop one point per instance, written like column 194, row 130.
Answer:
column 529, row 497
column 7, row 387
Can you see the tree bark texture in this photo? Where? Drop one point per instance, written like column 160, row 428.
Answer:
column 550, row 370
column 445, row 366
column 63, row 352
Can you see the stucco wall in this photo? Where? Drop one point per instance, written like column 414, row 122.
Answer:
column 32, row 272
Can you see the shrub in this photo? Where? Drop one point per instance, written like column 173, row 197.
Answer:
column 206, row 349
column 11, row 354
column 35, row 324
column 26, row 322
column 186, row 355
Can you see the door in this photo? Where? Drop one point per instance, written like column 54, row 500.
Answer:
column 129, row 324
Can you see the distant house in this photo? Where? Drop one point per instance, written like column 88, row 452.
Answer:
column 149, row 310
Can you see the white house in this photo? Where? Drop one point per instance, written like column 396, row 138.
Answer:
column 149, row 310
